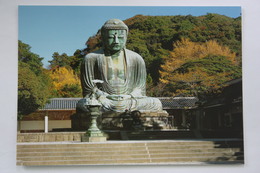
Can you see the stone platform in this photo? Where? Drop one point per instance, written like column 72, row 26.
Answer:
column 214, row 151
column 50, row 137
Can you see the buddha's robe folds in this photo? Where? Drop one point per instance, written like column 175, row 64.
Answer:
column 123, row 86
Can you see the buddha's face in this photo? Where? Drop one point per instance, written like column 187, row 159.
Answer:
column 114, row 40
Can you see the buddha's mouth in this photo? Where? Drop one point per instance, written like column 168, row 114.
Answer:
column 116, row 46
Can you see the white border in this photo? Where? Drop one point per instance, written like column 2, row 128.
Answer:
column 8, row 93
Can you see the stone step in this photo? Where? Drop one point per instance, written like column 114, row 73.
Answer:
column 198, row 159
column 194, row 150
column 130, row 146
column 141, row 152
column 221, row 143
column 84, row 162
column 100, row 156
column 200, row 148
column 78, row 145
column 156, row 149
column 169, row 160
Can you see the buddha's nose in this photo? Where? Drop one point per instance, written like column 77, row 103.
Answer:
column 116, row 39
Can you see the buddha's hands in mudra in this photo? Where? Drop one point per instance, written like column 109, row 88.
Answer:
column 118, row 97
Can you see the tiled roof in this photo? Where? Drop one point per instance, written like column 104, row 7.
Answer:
column 61, row 104
column 167, row 102
column 178, row 102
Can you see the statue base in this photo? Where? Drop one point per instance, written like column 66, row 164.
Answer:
column 135, row 120
column 121, row 121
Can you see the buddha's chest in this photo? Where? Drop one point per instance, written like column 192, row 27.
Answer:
column 116, row 70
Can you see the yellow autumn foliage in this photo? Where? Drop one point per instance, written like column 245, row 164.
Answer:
column 186, row 50
column 196, row 79
column 63, row 76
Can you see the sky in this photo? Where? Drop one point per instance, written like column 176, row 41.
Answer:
column 64, row 29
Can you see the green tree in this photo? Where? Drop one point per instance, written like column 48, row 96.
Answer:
column 76, row 60
column 33, row 60
column 71, row 90
column 64, row 60
column 33, row 82
column 59, row 60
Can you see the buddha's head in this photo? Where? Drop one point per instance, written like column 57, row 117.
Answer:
column 114, row 35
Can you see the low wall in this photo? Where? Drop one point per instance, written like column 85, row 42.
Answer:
column 39, row 125
column 50, row 137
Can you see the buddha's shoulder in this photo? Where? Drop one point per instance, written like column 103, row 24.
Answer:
column 94, row 54
column 132, row 53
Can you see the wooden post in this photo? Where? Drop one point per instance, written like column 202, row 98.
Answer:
column 183, row 118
